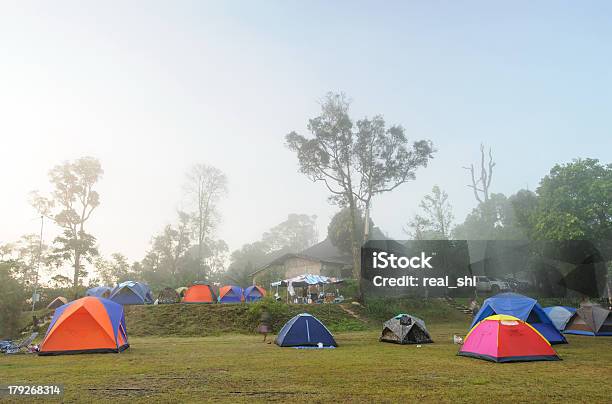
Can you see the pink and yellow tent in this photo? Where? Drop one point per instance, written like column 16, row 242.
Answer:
column 503, row 338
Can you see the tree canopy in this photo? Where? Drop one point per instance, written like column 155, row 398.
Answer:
column 358, row 161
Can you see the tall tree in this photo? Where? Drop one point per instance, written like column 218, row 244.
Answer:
column 480, row 185
column 112, row 271
column 435, row 223
column 70, row 206
column 205, row 186
column 385, row 160
column 295, row 234
column 356, row 166
column 11, row 303
column 245, row 261
column 30, row 250
column 172, row 245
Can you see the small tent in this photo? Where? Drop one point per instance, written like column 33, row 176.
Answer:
column 559, row 315
column 254, row 293
column 57, row 302
column 99, row 291
column 199, row 293
column 304, row 330
column 590, row 319
column 503, row 338
column 86, row 325
column 524, row 308
column 168, row 296
column 405, row 329
column 131, row 292
column 230, row 294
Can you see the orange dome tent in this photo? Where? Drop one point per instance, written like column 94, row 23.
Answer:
column 86, row 325
column 199, row 294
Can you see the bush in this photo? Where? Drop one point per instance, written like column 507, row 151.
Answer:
column 279, row 312
column 349, row 288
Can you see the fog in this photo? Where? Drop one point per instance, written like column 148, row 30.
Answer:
column 151, row 89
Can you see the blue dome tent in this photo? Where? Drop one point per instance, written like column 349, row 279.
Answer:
column 524, row 308
column 131, row 292
column 254, row 293
column 304, row 330
column 99, row 291
column 230, row 294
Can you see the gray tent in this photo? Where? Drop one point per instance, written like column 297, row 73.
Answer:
column 168, row 296
column 405, row 329
column 590, row 319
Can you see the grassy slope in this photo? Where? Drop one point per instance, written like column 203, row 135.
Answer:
column 205, row 320
column 242, row 368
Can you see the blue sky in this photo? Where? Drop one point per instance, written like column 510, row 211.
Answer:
column 151, row 88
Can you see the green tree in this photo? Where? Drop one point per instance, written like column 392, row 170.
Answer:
column 436, row 221
column 12, row 301
column 167, row 257
column 70, row 206
column 494, row 219
column 573, row 202
column 356, row 162
column 339, row 229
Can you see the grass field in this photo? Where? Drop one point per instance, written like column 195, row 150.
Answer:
column 240, row 368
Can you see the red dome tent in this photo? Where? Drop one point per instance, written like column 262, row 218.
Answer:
column 503, row 338
column 199, row 293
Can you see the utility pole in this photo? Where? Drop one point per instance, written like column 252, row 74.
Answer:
column 34, row 295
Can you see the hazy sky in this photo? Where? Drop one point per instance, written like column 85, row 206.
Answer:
column 151, row 88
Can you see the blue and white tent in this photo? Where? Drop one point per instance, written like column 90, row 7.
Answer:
column 305, row 330
column 99, row 291
column 524, row 308
column 131, row 292
column 559, row 315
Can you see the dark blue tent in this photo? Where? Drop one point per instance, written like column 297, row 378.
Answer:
column 99, row 291
column 254, row 293
column 523, row 308
column 230, row 294
column 132, row 293
column 304, row 330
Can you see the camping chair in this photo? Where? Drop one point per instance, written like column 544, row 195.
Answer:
column 13, row 349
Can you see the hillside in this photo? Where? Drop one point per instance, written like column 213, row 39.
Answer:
column 204, row 320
